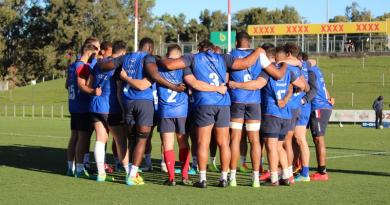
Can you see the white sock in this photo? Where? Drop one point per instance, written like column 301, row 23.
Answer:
column 224, row 175
column 233, row 174
column 86, row 158
column 212, row 160
column 148, row 159
column 127, row 168
column 290, row 171
column 133, row 171
column 243, row 159
column 79, row 167
column 274, row 177
column 285, row 173
column 99, row 157
column 194, row 161
column 255, row 176
column 202, row 176
column 71, row 165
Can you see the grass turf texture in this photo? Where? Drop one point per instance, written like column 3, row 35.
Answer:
column 349, row 77
column 33, row 164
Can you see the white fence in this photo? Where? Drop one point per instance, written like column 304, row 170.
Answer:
column 357, row 116
column 57, row 111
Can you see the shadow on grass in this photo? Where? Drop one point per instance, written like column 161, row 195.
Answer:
column 349, row 149
column 53, row 160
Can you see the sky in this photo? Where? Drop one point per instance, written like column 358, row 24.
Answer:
column 314, row 11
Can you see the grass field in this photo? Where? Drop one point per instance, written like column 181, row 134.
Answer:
column 33, row 162
column 349, row 77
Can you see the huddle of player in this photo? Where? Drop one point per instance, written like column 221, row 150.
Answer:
column 269, row 95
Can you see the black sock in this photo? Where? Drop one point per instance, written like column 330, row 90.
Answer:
column 322, row 170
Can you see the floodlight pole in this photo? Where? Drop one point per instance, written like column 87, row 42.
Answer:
column 135, row 25
column 327, row 21
column 229, row 27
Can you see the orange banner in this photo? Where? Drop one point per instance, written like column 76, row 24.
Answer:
column 312, row 29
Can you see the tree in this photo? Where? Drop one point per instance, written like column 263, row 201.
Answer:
column 354, row 14
column 214, row 21
column 338, row 19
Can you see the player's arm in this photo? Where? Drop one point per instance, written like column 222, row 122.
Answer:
column 152, row 70
column 119, row 94
column 312, row 62
column 174, row 64
column 283, row 102
column 244, row 63
column 203, row 86
column 142, row 84
column 111, row 64
column 82, row 83
column 67, row 82
column 313, row 88
column 298, row 82
column 307, row 86
column 275, row 72
column 331, row 100
column 257, row 84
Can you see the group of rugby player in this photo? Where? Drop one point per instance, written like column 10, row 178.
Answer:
column 267, row 95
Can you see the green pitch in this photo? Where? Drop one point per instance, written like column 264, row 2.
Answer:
column 33, row 162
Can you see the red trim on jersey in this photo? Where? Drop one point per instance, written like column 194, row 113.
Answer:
column 83, row 71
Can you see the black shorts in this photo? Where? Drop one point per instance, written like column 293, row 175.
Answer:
column 208, row 114
column 274, row 127
column 295, row 117
column 176, row 125
column 80, row 122
column 245, row 111
column 107, row 119
column 319, row 122
column 140, row 112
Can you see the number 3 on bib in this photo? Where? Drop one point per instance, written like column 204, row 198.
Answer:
column 214, row 79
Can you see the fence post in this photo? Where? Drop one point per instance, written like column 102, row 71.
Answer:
column 33, row 111
column 364, row 63
column 332, row 78
column 383, row 79
column 352, row 99
column 42, row 111
column 14, row 110
column 23, row 112
column 52, row 111
column 62, row 111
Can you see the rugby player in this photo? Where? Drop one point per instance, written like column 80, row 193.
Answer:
column 79, row 100
column 292, row 51
column 321, row 110
column 211, row 109
column 303, row 120
column 276, row 120
column 106, row 114
column 172, row 116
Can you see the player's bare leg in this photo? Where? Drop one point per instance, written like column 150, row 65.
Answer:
column 139, row 149
column 204, row 137
column 121, row 146
column 235, row 141
column 243, row 152
column 212, row 166
column 252, row 128
column 271, row 145
column 71, row 152
column 289, row 150
column 300, row 136
column 222, row 138
column 282, row 154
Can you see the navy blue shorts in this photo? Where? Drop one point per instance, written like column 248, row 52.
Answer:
column 107, row 119
column 295, row 116
column 169, row 125
column 80, row 122
column 208, row 114
column 319, row 122
column 274, row 127
column 245, row 111
column 304, row 117
column 139, row 112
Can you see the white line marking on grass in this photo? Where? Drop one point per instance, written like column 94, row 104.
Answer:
column 31, row 135
column 357, row 155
